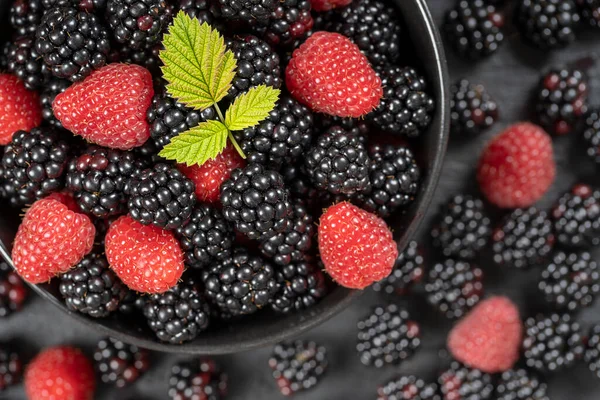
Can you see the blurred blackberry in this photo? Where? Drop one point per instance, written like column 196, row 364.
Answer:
column 25, row 16
column 179, row 314
column 571, row 281
column 577, row 217
column 48, row 93
column 338, row 162
column 11, row 367
column 73, row 43
column 524, row 239
column 562, row 100
column 591, row 134
column 200, row 9
column 247, row 10
column 464, row 383
column 592, row 351
column 387, row 336
column 298, row 366
column 408, row 387
column 34, row 164
column 406, row 107
column 463, row 228
column 24, row 61
column 552, row 342
column 256, row 200
column 454, row 287
column 290, row 21
column 119, row 363
column 518, row 384
column 547, row 24
column 472, row 109
column 197, row 380
column 147, row 57
column 409, row 268
column 301, row 285
column 590, row 12
column 13, row 292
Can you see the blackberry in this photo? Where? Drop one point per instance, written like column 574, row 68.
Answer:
column 590, row 12
column 524, row 239
column 406, row 107
column 463, row 228
column 13, row 292
column 25, row 16
column 339, row 163
column 592, row 351
column 454, row 287
column 518, row 384
column 562, row 100
column 290, row 21
column 547, row 24
column 577, row 217
column 408, row 388
column 298, row 366
column 48, row 93
column 206, row 238
column 591, row 134
column 387, row 336
column 552, row 342
column 464, row 383
column 297, row 180
column 133, row 303
column 200, row 9
column 256, row 200
column 571, row 281
column 301, row 285
column 247, row 10
column 409, row 268
column 25, row 62
column 34, row 164
column 73, row 43
column 89, row 6
column 474, row 28
column 358, row 127
column 147, row 57
column 11, row 367
column 119, row 363
column 197, row 380
column 240, row 285
column 472, row 109
column 161, row 196
column 179, row 314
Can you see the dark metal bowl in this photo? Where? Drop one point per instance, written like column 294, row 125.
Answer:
column 266, row 328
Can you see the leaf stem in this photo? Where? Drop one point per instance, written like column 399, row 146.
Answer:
column 229, row 134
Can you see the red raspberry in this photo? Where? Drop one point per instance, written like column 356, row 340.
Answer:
column 517, row 167
column 109, row 106
column 51, row 239
column 21, row 109
column 329, row 74
column 326, row 5
column 60, row 373
column 147, row 258
column 357, row 247
column 489, row 337
column 209, row 176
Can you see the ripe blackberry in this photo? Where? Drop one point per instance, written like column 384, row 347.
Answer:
column 301, row 285
column 358, row 127
column 454, row 287
column 577, row 217
column 73, row 43
column 298, row 366
column 591, row 134
column 119, row 363
column 25, row 16
column 464, row 383
column 547, row 24
column 552, row 342
column 179, row 314
column 25, row 62
column 89, row 6
column 387, row 336
column 133, row 303
column 409, row 268
column 463, row 228
column 297, row 180
column 518, row 384
column 290, row 21
column 161, row 196
column 247, row 10
column 406, row 107
column 11, row 367
column 34, row 163
column 408, row 387
column 147, row 57
column 13, row 293
column 197, row 380
column 590, row 12
column 524, row 239
column 200, row 9
column 49, row 92
column 592, row 351
column 562, row 100
column 256, row 200
column 472, row 109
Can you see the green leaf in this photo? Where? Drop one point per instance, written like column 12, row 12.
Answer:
column 197, row 145
column 197, row 65
column 251, row 107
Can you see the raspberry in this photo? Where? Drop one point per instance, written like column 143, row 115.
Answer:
column 60, row 373
column 357, row 247
column 517, row 167
column 21, row 108
column 51, row 239
column 146, row 258
column 329, row 74
column 326, row 5
column 489, row 337
column 109, row 106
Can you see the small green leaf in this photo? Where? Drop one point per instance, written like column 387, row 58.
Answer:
column 198, row 145
column 197, row 65
column 251, row 107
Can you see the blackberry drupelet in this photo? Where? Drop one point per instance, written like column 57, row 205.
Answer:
column 524, row 239
column 13, row 292
column 590, row 12
column 119, row 363
column 577, row 217
column 161, row 196
column 73, row 43
column 25, row 62
column 408, row 387
column 552, row 342
column 387, row 336
column 464, row 383
column 547, row 24
column 463, row 228
column 301, row 285
column 197, row 380
column 247, row 10
column 11, row 367
column 592, row 351
column 454, row 287
column 256, row 200
column 179, row 314
column 472, row 109
column 49, row 92
column 409, row 269
column 298, row 365
column 591, row 134
column 290, row 21
column 25, row 16
column 519, row 384
column 406, row 107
